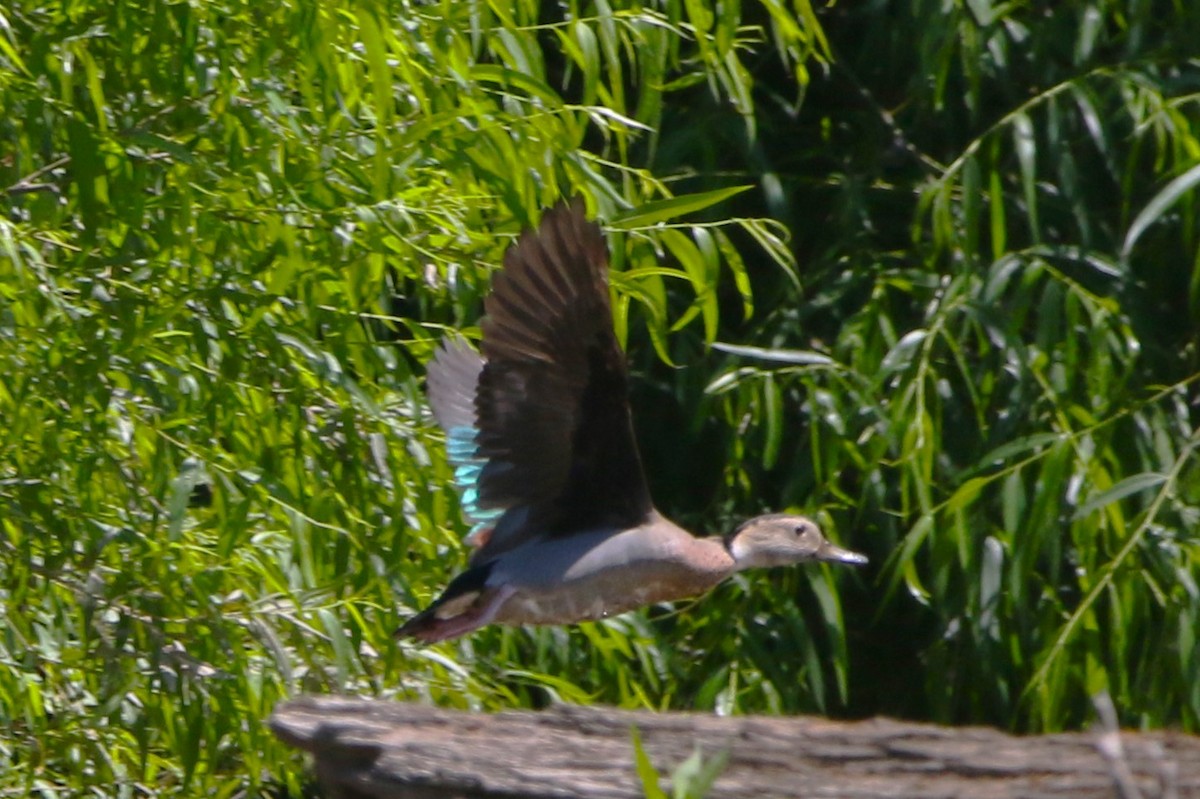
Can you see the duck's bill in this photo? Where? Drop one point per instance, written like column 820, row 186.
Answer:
column 838, row 555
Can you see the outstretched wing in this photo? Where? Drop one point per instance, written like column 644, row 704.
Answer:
column 452, row 380
column 554, row 450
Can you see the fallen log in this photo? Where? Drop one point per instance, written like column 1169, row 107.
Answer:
column 392, row 750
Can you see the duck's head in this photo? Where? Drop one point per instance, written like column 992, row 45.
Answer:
column 780, row 539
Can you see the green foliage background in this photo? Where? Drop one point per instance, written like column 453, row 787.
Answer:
column 955, row 316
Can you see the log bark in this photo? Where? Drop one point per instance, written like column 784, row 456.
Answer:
column 391, row 750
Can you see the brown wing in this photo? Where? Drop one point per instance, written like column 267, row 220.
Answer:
column 552, row 411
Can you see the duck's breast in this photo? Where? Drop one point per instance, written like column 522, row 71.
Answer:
column 602, row 573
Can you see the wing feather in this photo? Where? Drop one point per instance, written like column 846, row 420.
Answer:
column 550, row 409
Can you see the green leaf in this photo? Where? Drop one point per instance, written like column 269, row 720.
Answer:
column 8, row 51
column 1158, row 205
column 699, row 271
column 772, row 400
column 695, row 776
column 651, row 787
column 900, row 356
column 381, row 79
column 1130, row 485
column 1005, row 452
column 966, row 494
column 154, row 142
column 737, row 267
column 795, row 357
column 491, row 73
column 1025, row 144
column 652, row 213
column 996, row 216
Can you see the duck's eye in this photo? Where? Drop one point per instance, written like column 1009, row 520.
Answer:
column 800, row 528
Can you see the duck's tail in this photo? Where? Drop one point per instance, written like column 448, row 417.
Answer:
column 468, row 603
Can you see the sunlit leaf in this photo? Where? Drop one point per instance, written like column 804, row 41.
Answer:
column 798, row 357
column 1158, row 205
column 661, row 210
column 651, row 788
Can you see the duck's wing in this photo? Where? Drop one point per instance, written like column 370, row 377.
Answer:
column 554, row 451
column 451, row 381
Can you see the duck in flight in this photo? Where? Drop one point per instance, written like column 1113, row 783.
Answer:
column 539, row 428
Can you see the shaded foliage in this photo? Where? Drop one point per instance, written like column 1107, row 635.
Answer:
column 1011, row 402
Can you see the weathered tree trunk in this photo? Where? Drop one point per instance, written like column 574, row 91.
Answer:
column 371, row 748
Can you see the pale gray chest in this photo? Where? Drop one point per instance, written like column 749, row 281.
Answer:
column 598, row 574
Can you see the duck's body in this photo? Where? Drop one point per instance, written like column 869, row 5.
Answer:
column 604, row 572
column 591, row 575
column 539, row 427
